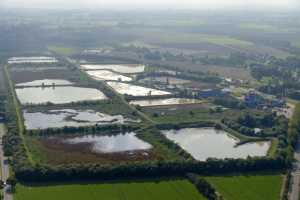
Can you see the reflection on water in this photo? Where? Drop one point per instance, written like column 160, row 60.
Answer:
column 169, row 101
column 125, row 69
column 108, row 76
column 203, row 143
column 58, row 95
column 134, row 90
column 42, row 59
column 111, row 144
column 70, row 117
column 45, row 82
column 166, row 80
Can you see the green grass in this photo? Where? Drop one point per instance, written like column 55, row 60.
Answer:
column 253, row 187
column 163, row 190
column 261, row 27
column 297, row 44
column 184, row 116
column 273, row 148
column 66, row 51
column 191, row 38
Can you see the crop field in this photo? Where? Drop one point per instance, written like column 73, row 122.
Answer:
column 139, row 190
column 223, row 71
column 252, row 187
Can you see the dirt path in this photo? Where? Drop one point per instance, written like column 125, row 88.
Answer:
column 4, row 164
column 295, row 184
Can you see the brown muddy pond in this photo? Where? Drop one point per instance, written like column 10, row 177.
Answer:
column 100, row 144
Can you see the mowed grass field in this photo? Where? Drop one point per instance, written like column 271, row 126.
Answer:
column 260, row 187
column 162, row 190
column 66, row 51
column 186, row 38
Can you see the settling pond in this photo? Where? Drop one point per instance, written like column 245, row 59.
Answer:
column 135, row 90
column 58, row 95
column 162, row 102
column 41, row 59
column 45, row 82
column 125, row 68
column 203, row 143
column 107, row 76
column 106, row 144
column 166, row 80
column 71, row 118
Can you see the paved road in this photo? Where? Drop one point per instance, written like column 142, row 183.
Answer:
column 295, row 184
column 4, row 164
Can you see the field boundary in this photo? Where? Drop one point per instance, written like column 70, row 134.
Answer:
column 20, row 124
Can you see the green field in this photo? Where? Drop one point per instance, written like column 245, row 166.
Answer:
column 163, row 37
column 262, row 27
column 163, row 190
column 62, row 50
column 260, row 187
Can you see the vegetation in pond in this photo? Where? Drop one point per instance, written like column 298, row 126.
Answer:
column 70, row 117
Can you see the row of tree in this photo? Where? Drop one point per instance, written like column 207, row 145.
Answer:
column 203, row 186
column 41, row 173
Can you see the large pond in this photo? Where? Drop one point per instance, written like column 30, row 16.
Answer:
column 70, row 117
column 125, row 68
column 58, row 95
column 135, row 90
column 203, row 143
column 107, row 76
column 110, row 144
column 162, row 102
column 166, row 80
column 42, row 59
column 45, row 82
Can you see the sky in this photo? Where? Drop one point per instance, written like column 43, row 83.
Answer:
column 169, row 4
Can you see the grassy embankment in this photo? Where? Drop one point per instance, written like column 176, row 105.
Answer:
column 18, row 111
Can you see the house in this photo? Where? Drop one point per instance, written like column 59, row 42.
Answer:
column 253, row 99
column 211, row 93
column 2, row 117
